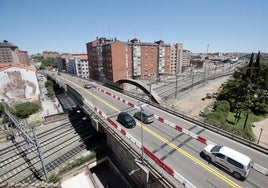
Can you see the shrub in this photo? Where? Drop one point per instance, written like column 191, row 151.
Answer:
column 53, row 178
column 23, row 110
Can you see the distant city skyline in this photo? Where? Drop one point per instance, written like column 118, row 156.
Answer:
column 66, row 26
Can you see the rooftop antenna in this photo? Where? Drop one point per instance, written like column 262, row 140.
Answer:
column 207, row 48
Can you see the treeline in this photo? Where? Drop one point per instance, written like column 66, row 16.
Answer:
column 21, row 111
column 246, row 93
column 50, row 89
column 46, row 62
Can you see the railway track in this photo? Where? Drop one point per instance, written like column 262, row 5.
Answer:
column 169, row 93
column 58, row 144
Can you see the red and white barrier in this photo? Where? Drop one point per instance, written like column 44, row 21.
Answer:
column 160, row 119
column 150, row 154
column 171, row 124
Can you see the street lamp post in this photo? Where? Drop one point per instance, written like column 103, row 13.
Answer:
column 141, row 109
column 141, row 137
column 260, row 135
column 192, row 78
column 176, row 88
column 92, row 96
column 205, row 70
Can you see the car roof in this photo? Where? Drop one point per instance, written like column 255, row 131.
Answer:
column 123, row 114
column 146, row 112
column 235, row 155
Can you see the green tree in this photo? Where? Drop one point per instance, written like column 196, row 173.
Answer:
column 223, row 106
column 257, row 64
column 2, row 110
column 248, row 93
column 50, row 89
column 26, row 109
column 49, row 83
column 46, row 62
column 249, row 69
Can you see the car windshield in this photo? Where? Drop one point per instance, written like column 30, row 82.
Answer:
column 150, row 115
column 216, row 149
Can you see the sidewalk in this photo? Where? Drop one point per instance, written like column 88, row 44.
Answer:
column 261, row 127
column 50, row 107
column 80, row 180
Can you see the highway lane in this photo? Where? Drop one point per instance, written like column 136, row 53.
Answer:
column 231, row 144
column 254, row 178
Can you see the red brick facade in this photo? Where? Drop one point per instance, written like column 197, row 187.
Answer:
column 114, row 60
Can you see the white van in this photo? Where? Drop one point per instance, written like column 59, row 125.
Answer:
column 233, row 161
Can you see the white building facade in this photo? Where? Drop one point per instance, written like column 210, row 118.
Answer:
column 18, row 83
column 79, row 66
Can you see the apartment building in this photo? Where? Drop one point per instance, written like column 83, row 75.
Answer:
column 176, row 58
column 148, row 60
column 8, row 53
column 66, row 56
column 24, row 57
column 78, row 66
column 186, row 61
column 47, row 54
column 111, row 59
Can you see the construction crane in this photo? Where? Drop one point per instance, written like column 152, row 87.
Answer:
column 31, row 140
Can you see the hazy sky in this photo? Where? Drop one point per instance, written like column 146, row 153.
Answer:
column 67, row 25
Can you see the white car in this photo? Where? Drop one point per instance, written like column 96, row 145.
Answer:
column 233, row 161
column 88, row 86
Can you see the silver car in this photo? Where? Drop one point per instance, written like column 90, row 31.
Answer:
column 145, row 116
column 231, row 160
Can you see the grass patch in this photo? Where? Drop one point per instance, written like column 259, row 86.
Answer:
column 247, row 133
column 231, row 126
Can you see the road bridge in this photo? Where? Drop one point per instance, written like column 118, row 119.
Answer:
column 171, row 145
column 146, row 89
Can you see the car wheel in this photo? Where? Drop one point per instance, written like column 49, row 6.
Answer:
column 237, row 175
column 208, row 158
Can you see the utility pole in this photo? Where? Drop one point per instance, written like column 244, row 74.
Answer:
column 30, row 140
column 192, row 78
column 205, row 70
column 176, row 88
column 142, row 162
column 150, row 89
column 142, row 144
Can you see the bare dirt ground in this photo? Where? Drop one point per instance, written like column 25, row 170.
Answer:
column 193, row 104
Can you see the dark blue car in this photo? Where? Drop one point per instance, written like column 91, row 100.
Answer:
column 125, row 119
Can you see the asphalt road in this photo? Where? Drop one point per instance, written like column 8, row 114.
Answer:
column 178, row 150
